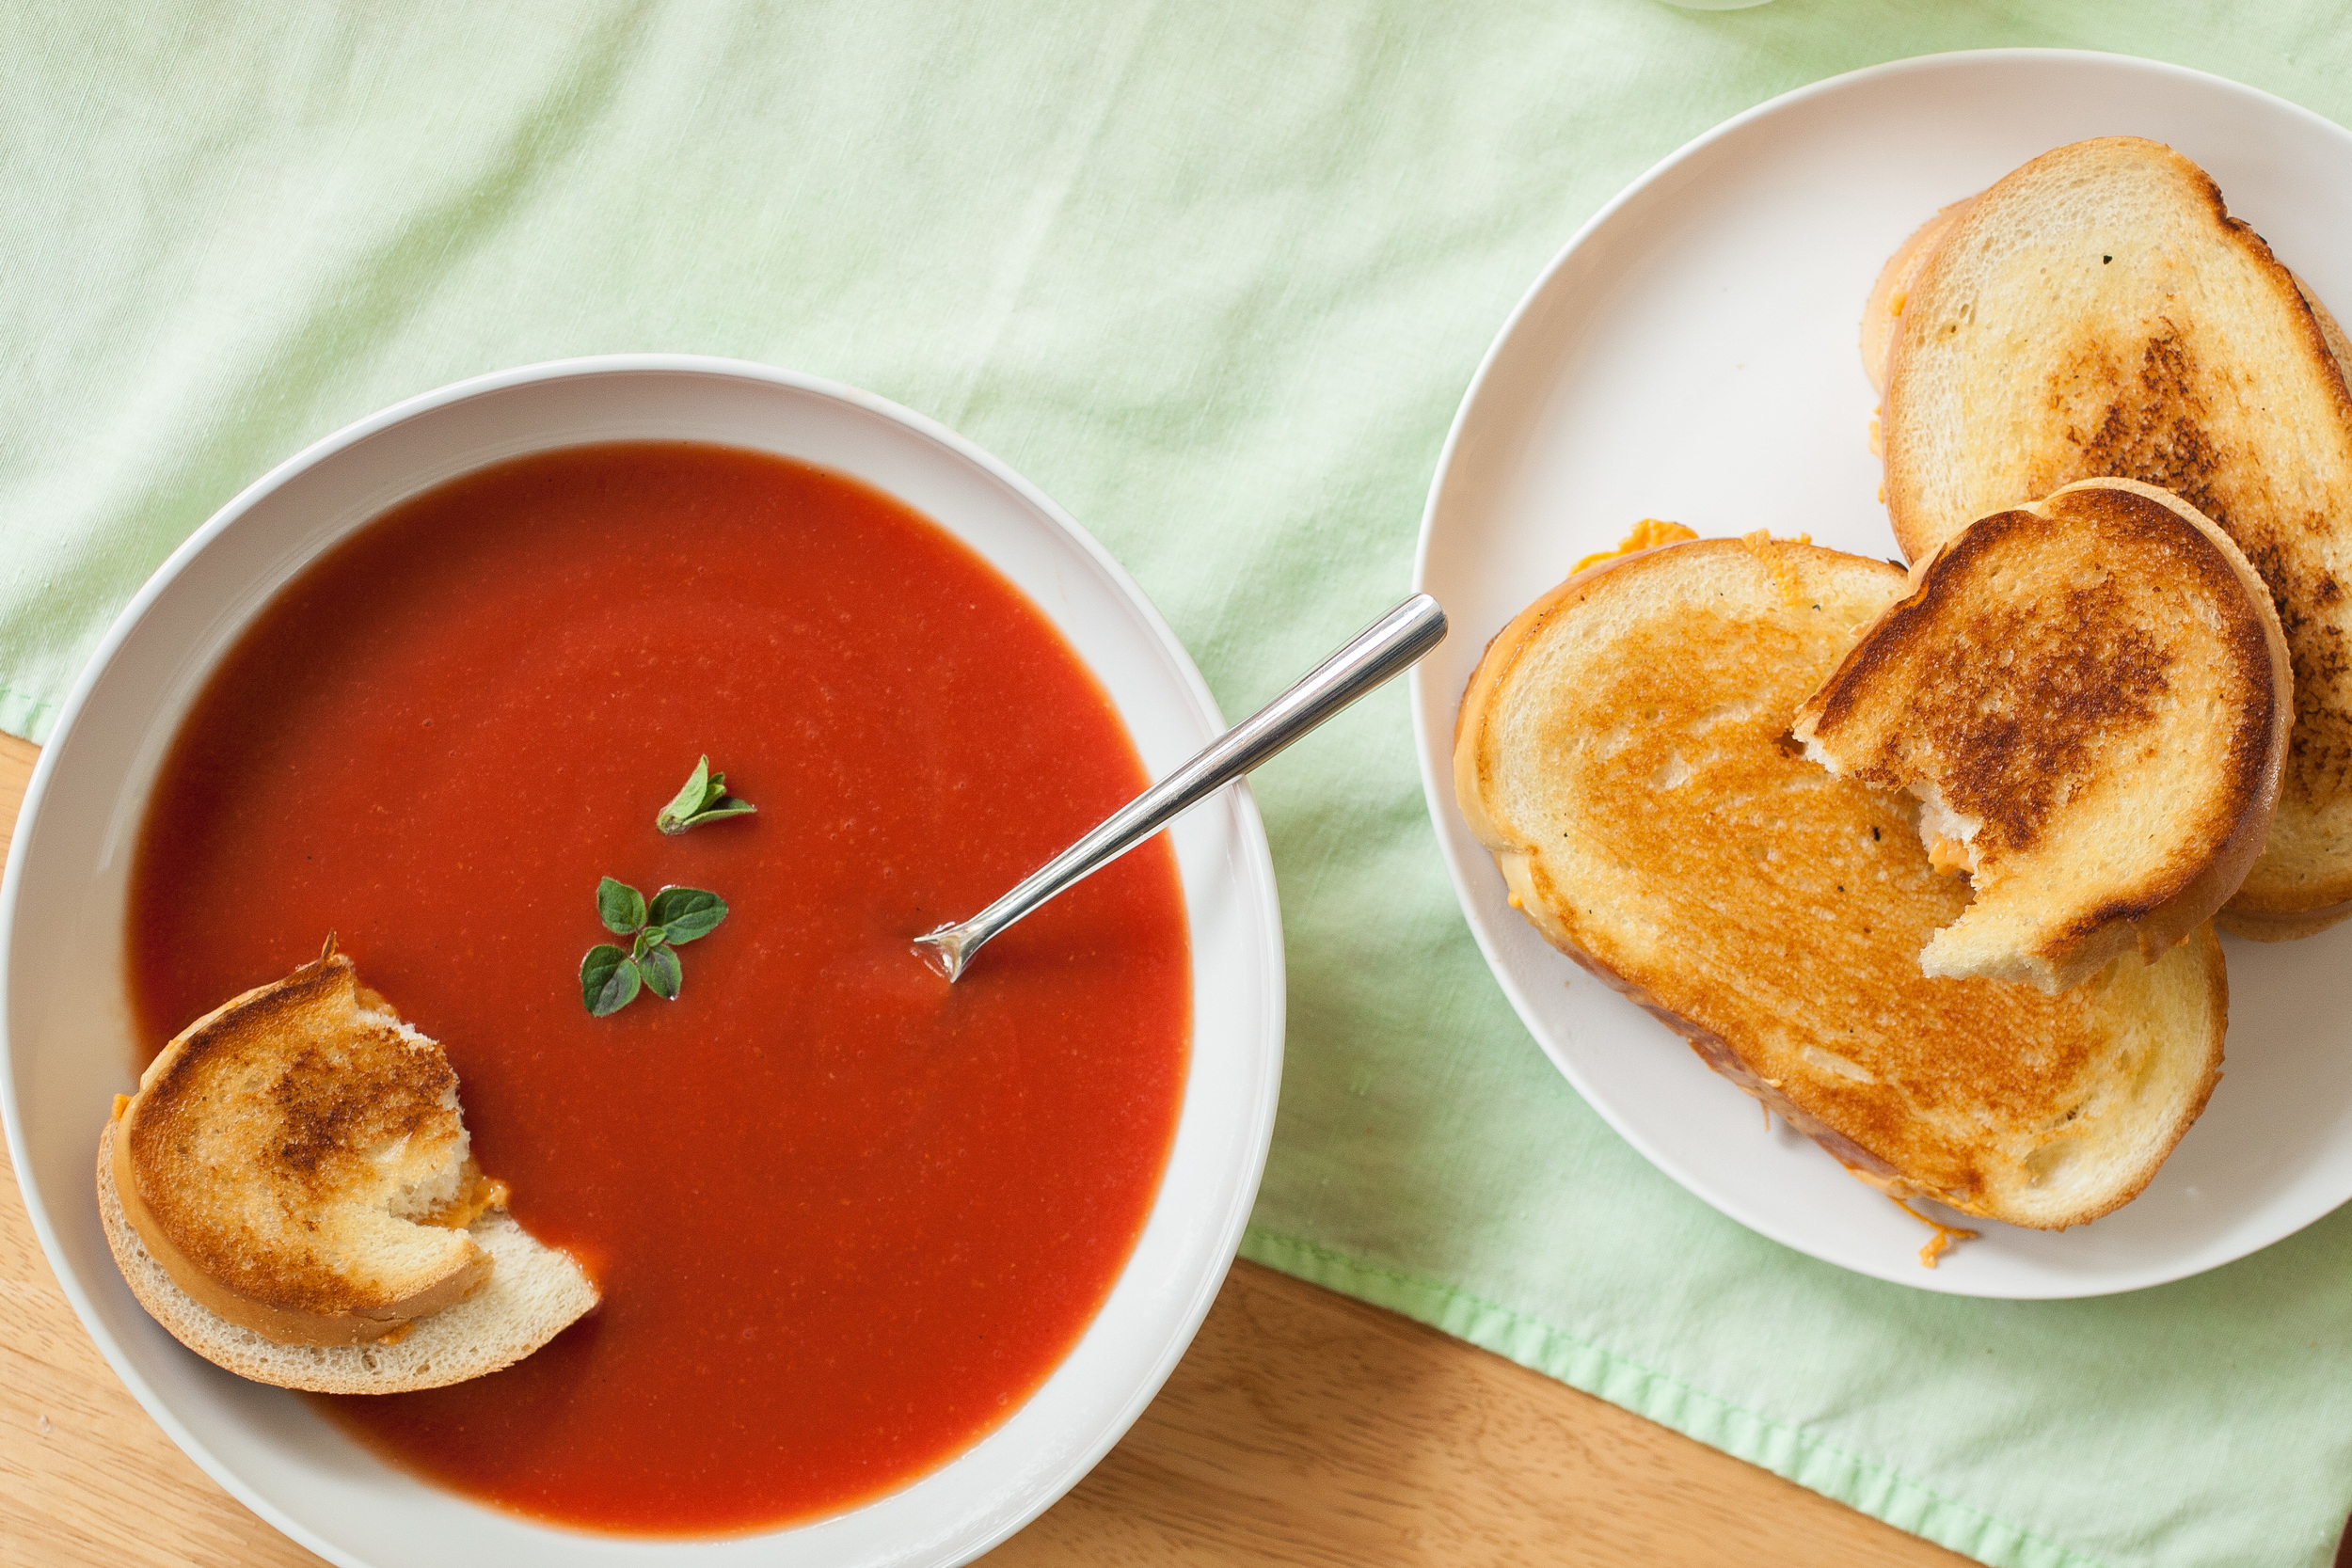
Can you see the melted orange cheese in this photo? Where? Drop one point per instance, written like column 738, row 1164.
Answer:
column 1647, row 534
column 1768, row 553
column 482, row 1193
column 1945, row 1236
column 1948, row 855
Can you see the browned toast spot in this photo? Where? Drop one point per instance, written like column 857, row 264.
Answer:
column 2319, row 752
column 339, row 1104
column 2074, row 683
column 2154, row 426
column 2071, row 674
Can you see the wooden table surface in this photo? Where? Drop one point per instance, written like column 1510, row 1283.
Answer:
column 1301, row 1428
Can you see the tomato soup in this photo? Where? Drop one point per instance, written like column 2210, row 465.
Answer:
column 845, row 1217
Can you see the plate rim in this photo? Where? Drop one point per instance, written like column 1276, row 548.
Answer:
column 1435, row 756
column 1254, row 881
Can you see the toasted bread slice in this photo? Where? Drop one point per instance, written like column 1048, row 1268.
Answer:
column 532, row 1294
column 2090, row 698
column 2097, row 312
column 1623, row 750
column 292, row 1188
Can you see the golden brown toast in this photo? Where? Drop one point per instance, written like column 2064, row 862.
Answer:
column 1623, row 750
column 2090, row 698
column 2097, row 312
column 291, row 1190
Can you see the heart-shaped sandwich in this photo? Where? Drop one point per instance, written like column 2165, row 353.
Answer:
column 1623, row 750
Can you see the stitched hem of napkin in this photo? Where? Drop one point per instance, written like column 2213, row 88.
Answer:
column 1785, row 1451
column 24, row 715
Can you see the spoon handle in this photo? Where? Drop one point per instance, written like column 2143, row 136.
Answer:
column 1381, row 651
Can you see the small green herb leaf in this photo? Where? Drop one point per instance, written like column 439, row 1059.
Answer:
column 686, row 802
column 684, row 914
column 608, row 980
column 705, row 799
column 659, row 967
column 621, row 907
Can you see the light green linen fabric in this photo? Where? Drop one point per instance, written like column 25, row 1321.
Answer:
column 1215, row 275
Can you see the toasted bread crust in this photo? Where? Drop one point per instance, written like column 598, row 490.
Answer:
column 2108, row 657
column 1891, row 294
column 2097, row 312
column 534, row 1292
column 1622, row 749
column 287, row 1105
column 2256, row 926
column 1724, row 1057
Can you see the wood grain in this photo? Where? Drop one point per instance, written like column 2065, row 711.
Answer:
column 1303, row 1428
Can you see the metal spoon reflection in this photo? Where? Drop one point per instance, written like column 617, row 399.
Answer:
column 1385, row 648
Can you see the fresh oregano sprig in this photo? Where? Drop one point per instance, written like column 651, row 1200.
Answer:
column 705, row 799
column 610, row 978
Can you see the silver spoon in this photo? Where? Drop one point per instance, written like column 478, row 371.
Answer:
column 1384, row 649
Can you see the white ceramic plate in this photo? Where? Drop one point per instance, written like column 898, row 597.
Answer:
column 1692, row 355
column 65, row 1045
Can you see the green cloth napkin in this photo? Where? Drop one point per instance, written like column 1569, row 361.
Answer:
column 1215, row 275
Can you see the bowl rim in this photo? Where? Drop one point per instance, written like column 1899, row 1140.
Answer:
column 1254, row 883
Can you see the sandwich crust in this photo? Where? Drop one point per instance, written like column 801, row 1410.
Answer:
column 1623, row 751
column 2098, row 313
column 533, row 1293
column 2091, row 695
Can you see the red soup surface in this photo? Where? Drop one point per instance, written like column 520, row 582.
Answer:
column 845, row 1217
